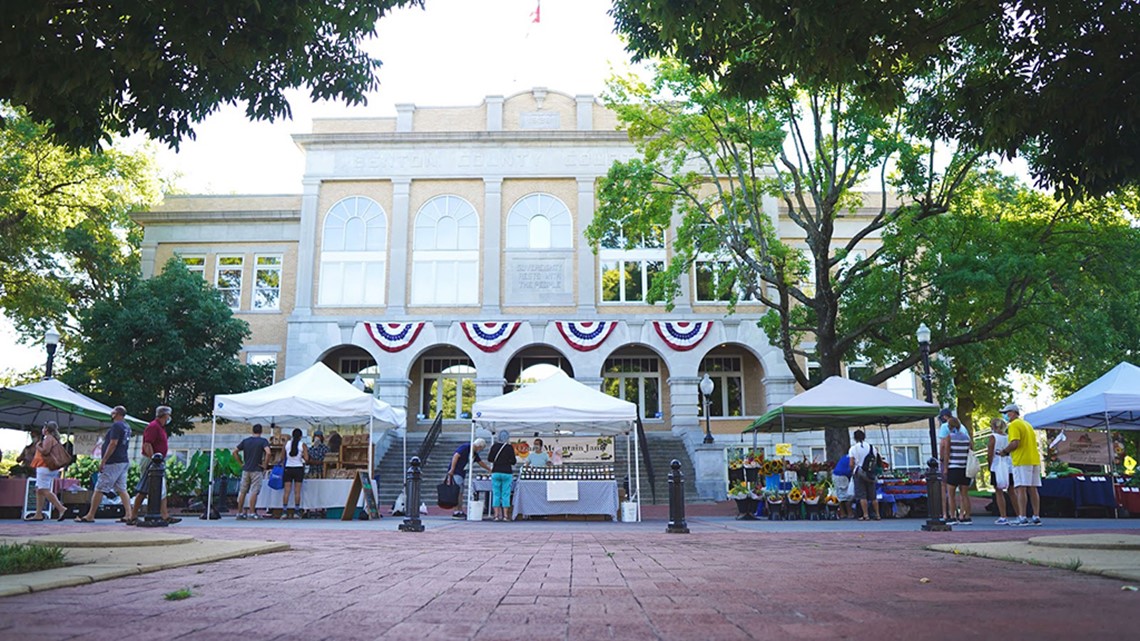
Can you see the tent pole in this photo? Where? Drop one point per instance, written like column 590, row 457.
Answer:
column 1110, row 466
column 210, row 484
column 371, row 459
column 404, row 468
column 470, row 468
column 628, row 465
column 637, row 472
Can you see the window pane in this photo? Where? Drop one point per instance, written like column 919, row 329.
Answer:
column 735, row 386
column 354, row 234
column 611, row 282
column 374, row 283
column 716, row 399
column 629, row 391
column 706, row 286
column 467, row 283
column 539, row 232
column 468, row 397
column 652, row 397
column 633, row 285
column 612, row 387
column 449, row 386
column 446, row 233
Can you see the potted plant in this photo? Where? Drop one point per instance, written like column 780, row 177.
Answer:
column 746, row 499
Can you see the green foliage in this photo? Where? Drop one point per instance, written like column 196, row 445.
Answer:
column 134, row 473
column 84, row 469
column 196, row 475
column 1009, row 77
column 65, row 235
column 169, row 340
column 17, row 558
column 180, row 480
column 96, row 69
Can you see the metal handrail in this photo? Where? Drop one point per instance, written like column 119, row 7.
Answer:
column 430, row 438
column 643, row 443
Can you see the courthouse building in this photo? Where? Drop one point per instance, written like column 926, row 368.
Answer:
column 439, row 255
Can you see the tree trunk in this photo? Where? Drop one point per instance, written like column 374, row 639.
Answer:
column 838, row 441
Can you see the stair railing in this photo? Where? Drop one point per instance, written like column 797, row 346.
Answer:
column 430, row 438
column 643, row 444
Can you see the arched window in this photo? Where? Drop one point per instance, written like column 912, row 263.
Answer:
column 353, row 253
column 445, row 254
column 539, row 221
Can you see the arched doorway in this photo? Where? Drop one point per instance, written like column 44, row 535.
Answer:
column 444, row 380
column 351, row 361
column 637, row 374
column 532, row 364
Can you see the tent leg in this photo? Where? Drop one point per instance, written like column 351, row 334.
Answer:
column 637, row 472
column 1110, row 467
column 210, row 485
column 470, row 468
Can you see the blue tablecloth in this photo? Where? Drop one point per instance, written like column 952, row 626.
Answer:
column 594, row 497
column 1083, row 491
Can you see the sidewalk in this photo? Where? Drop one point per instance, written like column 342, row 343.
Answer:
column 589, row 580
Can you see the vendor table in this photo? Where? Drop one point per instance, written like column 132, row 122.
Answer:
column 594, row 497
column 1129, row 499
column 315, row 494
column 1081, row 491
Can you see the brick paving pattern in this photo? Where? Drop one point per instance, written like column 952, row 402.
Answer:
column 595, row 581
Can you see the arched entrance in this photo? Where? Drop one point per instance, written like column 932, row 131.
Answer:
column 443, row 379
column 534, row 363
column 350, row 361
column 637, row 374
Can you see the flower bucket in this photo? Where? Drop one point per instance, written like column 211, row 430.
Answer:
column 772, row 482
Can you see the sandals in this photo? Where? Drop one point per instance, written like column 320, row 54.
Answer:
column 80, row 519
column 32, row 518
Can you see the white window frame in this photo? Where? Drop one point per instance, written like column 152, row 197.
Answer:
column 624, row 378
column 446, row 271
column 239, row 268
column 720, row 386
column 257, row 358
column 522, row 232
column 196, row 267
column 258, row 270
column 622, row 252
column 707, row 259
column 904, row 383
column 460, row 370
column 354, row 267
column 895, row 464
column 817, row 454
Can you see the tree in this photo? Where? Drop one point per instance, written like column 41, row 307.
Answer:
column 66, row 238
column 93, row 69
column 865, row 275
column 169, row 340
column 1042, row 78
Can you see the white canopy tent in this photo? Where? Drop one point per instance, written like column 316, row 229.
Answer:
column 557, row 403
column 316, row 396
column 1110, row 402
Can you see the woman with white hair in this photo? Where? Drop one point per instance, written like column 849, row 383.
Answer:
column 457, row 472
column 45, row 476
column 502, row 457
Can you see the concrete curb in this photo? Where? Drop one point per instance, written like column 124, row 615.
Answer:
column 1085, row 553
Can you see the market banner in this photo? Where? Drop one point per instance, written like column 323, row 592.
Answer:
column 1086, row 448
column 490, row 336
column 393, row 337
column 569, row 450
column 585, row 336
column 682, row 335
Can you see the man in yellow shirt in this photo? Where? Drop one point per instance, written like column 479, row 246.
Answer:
column 1026, row 458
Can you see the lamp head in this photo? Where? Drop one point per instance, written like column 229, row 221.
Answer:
column 51, row 337
column 706, row 385
column 923, row 334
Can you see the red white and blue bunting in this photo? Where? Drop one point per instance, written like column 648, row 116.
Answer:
column 682, row 335
column 393, row 337
column 585, row 336
column 490, row 336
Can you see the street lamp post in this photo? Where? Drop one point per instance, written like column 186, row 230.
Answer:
column 51, row 340
column 934, row 522
column 706, row 391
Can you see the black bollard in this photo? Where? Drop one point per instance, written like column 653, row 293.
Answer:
column 677, row 523
column 412, row 500
column 934, row 522
column 156, row 475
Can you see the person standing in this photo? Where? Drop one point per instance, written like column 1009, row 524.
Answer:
column 538, row 456
column 155, row 441
column 254, row 453
column 844, row 493
column 1001, row 468
column 317, row 455
column 864, row 461
column 45, row 476
column 113, row 465
column 1026, row 458
column 457, row 471
column 955, row 449
column 296, row 454
column 502, row 457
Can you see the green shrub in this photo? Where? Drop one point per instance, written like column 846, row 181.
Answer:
column 17, row 558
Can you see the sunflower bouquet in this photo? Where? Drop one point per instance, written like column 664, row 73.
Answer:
column 741, row 490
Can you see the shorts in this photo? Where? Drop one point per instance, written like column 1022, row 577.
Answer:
column 994, row 483
column 956, row 477
column 143, row 485
column 45, row 478
column 1027, row 476
column 113, row 478
column 843, row 489
column 294, row 474
column 864, row 489
column 251, row 481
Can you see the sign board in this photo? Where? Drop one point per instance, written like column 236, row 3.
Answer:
column 783, row 449
column 360, row 484
column 568, row 450
column 1086, row 448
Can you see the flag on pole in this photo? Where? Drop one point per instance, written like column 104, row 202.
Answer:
column 536, row 15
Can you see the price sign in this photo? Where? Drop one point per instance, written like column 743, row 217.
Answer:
column 783, row 449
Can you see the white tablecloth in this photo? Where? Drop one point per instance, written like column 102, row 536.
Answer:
column 315, row 494
column 594, row 497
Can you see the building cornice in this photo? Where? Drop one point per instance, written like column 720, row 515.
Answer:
column 146, row 218
column 463, row 137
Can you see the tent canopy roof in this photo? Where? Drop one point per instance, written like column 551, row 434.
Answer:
column 842, row 402
column 30, row 406
column 1113, row 400
column 556, row 402
column 316, row 396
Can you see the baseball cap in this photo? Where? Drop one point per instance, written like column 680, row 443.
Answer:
column 1012, row 407
column 318, row 433
column 946, row 411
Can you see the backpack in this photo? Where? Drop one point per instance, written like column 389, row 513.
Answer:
column 872, row 465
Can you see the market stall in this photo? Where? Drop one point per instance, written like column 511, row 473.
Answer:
column 559, row 406
column 316, row 396
column 26, row 407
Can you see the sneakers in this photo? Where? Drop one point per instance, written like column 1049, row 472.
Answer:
column 1020, row 522
column 1037, row 520
column 951, row 521
column 966, row 522
column 255, row 517
column 459, row 515
column 242, row 517
column 1002, row 521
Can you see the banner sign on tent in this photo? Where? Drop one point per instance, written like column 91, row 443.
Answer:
column 682, row 335
column 585, row 335
column 568, row 450
column 393, row 337
column 490, row 336
column 1086, row 448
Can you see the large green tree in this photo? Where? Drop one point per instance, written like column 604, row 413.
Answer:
column 1048, row 79
column 168, row 340
column 66, row 238
column 93, row 69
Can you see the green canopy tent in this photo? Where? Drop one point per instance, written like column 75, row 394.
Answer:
column 27, row 407
column 841, row 402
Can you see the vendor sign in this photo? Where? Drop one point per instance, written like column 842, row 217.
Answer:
column 569, row 449
column 1086, row 448
column 783, row 449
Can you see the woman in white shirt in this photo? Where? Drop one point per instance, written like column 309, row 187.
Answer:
column 296, row 455
column 1001, row 467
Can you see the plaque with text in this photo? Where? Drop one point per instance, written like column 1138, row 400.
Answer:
column 534, row 278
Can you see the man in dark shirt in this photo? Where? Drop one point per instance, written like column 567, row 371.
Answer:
column 253, row 452
column 154, row 442
column 113, row 466
column 457, row 472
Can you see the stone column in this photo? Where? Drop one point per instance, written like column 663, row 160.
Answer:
column 683, row 396
column 587, row 278
column 492, row 253
column 393, row 391
column 712, row 474
column 494, row 113
column 398, row 265
column 307, row 247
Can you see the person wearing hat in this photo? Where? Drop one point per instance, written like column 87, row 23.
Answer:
column 317, row 455
column 457, row 472
column 1026, row 458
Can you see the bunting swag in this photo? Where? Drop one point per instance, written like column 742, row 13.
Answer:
column 682, row 335
column 585, row 335
column 393, row 337
column 489, row 337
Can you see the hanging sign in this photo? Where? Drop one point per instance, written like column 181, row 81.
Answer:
column 393, row 337
column 682, row 335
column 783, row 449
column 585, row 335
column 1086, row 448
column 568, row 449
column 490, row 336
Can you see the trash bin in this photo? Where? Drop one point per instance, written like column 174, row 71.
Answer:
column 475, row 511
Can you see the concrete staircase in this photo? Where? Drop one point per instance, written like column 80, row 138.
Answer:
column 663, row 448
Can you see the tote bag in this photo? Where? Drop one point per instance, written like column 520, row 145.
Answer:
column 277, row 477
column 448, row 495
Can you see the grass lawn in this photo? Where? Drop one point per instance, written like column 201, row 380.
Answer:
column 17, row 558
